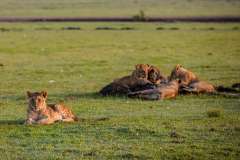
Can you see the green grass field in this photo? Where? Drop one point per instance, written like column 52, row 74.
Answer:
column 73, row 65
column 112, row 8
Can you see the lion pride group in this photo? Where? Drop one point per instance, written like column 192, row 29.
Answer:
column 145, row 82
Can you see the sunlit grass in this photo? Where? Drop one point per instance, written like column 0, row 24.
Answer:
column 72, row 65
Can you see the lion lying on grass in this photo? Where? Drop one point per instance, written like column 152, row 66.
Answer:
column 124, row 84
column 190, row 82
column 147, row 82
column 143, row 77
column 40, row 112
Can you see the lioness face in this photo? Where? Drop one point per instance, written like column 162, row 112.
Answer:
column 177, row 72
column 37, row 100
column 153, row 76
column 142, row 70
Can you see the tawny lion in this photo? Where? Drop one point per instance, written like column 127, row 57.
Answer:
column 125, row 84
column 190, row 82
column 40, row 112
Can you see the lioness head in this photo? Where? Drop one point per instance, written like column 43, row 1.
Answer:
column 37, row 100
column 179, row 72
column 155, row 76
column 141, row 70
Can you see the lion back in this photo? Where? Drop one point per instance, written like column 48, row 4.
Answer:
column 63, row 110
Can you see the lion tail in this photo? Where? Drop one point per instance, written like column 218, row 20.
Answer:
column 227, row 89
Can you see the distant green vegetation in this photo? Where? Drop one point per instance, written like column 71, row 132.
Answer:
column 72, row 65
column 110, row 8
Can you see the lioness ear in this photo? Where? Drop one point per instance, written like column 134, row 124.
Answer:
column 29, row 94
column 178, row 66
column 44, row 94
column 137, row 66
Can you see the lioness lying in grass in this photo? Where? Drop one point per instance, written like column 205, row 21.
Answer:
column 123, row 85
column 40, row 112
column 144, row 76
column 190, row 82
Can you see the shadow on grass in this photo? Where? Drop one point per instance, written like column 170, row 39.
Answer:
column 88, row 120
column 78, row 96
column 13, row 97
column 2, row 29
column 12, row 122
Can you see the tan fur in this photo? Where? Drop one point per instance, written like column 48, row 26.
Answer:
column 201, row 87
column 190, row 82
column 169, row 90
column 183, row 74
column 163, row 91
column 138, row 77
column 41, row 113
column 155, row 76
